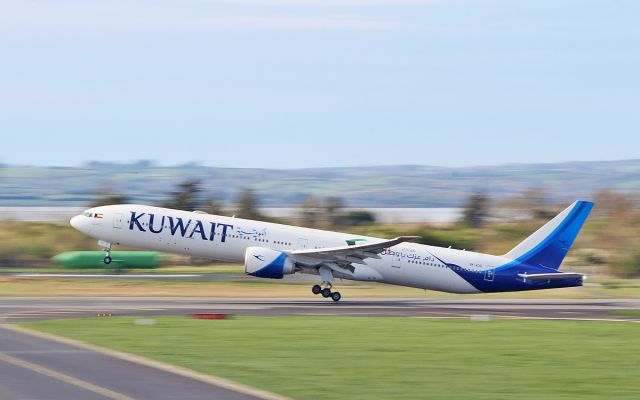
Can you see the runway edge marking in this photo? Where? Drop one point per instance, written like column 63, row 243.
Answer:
column 63, row 377
column 174, row 369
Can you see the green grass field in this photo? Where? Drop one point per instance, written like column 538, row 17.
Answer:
column 387, row 358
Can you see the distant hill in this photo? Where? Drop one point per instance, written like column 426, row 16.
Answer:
column 383, row 186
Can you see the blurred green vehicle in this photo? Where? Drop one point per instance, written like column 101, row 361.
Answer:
column 121, row 259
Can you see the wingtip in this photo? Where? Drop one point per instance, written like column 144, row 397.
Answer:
column 586, row 203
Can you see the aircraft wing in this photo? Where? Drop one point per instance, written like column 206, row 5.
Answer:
column 551, row 276
column 345, row 255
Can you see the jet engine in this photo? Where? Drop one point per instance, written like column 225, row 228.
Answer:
column 267, row 263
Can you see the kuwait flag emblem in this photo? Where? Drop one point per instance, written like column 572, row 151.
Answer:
column 98, row 215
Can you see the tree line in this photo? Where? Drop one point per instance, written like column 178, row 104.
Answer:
column 190, row 195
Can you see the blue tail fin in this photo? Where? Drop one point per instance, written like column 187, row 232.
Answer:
column 549, row 245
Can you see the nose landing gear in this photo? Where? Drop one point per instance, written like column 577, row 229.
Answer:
column 107, row 251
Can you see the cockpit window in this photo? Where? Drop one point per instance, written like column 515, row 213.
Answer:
column 87, row 214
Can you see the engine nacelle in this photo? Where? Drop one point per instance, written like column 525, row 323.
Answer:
column 267, row 263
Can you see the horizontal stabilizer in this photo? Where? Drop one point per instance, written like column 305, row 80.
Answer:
column 552, row 276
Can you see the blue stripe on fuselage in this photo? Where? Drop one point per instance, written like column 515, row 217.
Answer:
column 507, row 280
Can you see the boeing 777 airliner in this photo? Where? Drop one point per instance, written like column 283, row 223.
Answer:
column 273, row 250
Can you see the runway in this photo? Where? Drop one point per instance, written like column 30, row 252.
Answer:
column 17, row 309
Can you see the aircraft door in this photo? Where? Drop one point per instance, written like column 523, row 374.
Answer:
column 302, row 243
column 396, row 261
column 118, row 221
column 489, row 275
column 397, row 274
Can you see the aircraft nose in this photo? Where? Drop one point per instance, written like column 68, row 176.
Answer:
column 76, row 222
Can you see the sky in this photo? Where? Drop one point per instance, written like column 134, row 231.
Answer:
column 319, row 83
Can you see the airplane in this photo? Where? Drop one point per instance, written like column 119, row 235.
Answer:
column 272, row 251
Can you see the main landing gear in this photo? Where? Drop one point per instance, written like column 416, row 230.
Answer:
column 326, row 292
column 327, row 280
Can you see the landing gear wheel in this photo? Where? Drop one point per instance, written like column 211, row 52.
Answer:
column 335, row 296
column 316, row 289
column 326, row 292
column 107, row 260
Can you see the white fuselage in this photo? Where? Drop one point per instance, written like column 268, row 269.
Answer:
column 226, row 239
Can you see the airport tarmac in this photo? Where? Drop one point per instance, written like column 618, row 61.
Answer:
column 17, row 309
column 33, row 367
